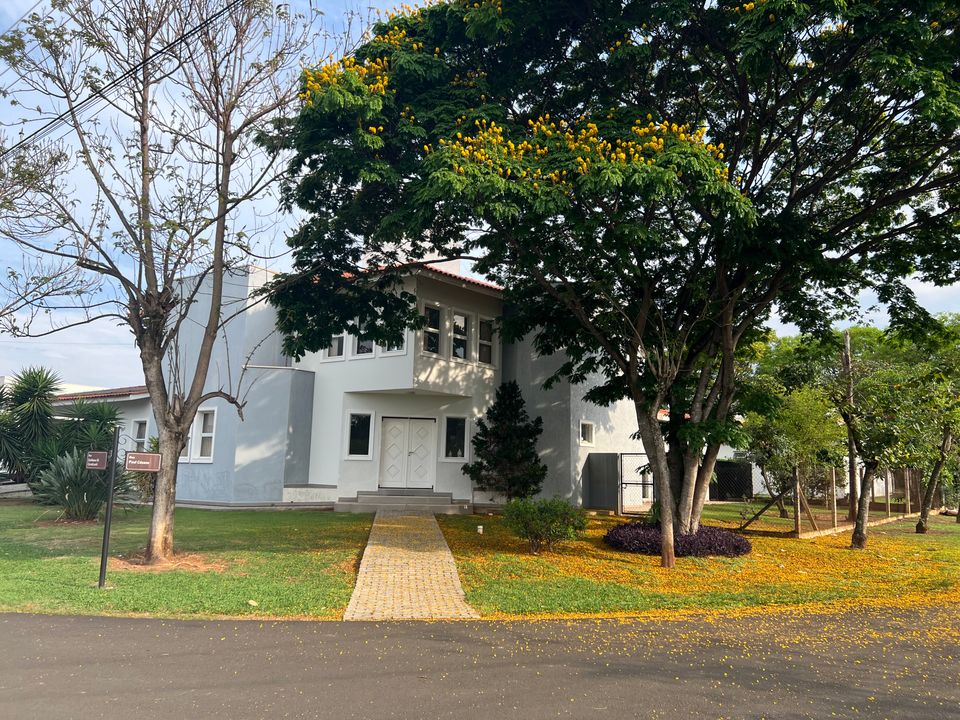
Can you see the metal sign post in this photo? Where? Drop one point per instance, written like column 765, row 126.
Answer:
column 105, row 548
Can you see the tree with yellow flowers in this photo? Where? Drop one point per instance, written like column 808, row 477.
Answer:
column 647, row 180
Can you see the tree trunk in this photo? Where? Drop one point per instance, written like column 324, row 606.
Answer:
column 931, row 490
column 688, row 484
column 859, row 540
column 847, row 362
column 160, row 540
column 702, row 491
column 655, row 448
column 171, row 440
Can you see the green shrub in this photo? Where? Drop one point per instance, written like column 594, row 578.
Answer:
column 543, row 523
column 81, row 493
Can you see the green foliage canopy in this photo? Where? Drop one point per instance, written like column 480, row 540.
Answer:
column 646, row 180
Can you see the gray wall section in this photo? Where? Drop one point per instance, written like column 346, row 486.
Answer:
column 299, row 429
column 520, row 363
column 213, row 481
column 250, row 455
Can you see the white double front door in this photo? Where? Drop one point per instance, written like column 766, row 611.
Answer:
column 408, row 453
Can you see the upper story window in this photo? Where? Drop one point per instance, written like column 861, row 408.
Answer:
column 460, row 348
column 363, row 347
column 335, row 350
column 431, row 330
column 485, row 341
column 398, row 349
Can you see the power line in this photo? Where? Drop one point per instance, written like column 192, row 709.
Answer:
column 35, row 43
column 91, row 100
column 25, row 342
column 23, row 17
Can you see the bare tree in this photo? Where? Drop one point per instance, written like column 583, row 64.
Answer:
column 161, row 181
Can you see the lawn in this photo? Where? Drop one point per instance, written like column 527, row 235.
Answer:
column 501, row 578
column 241, row 563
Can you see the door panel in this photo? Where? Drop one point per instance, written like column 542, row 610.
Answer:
column 393, row 452
column 422, row 454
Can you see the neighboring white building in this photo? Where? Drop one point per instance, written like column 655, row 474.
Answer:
column 359, row 420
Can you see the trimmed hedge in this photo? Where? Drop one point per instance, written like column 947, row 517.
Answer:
column 644, row 538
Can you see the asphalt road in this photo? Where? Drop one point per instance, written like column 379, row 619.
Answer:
column 863, row 664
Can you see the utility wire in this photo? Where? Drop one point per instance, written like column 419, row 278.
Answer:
column 15, row 23
column 23, row 17
column 91, row 100
column 35, row 43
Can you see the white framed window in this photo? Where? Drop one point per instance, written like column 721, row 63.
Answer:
column 185, row 453
column 205, row 426
column 460, row 336
column 432, row 329
column 455, row 439
column 359, row 436
column 387, row 349
column 337, row 348
column 485, row 341
column 138, row 431
column 200, row 438
column 586, row 433
column 363, row 347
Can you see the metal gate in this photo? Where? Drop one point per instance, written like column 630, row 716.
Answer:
column 636, row 483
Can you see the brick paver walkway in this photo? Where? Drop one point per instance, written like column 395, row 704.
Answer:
column 407, row 572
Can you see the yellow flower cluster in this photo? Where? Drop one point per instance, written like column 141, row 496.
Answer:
column 582, row 141
column 498, row 4
column 470, row 79
column 373, row 74
column 405, row 10
column 626, row 42
column 750, row 6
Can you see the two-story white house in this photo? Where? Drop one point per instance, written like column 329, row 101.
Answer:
column 360, row 424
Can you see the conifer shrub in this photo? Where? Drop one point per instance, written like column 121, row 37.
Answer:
column 644, row 538
column 505, row 447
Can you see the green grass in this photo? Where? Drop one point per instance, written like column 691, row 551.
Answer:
column 290, row 563
column 502, row 579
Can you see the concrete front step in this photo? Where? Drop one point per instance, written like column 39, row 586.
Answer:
column 417, row 492
column 401, row 499
column 435, row 508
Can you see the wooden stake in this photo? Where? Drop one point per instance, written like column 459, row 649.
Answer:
column 886, row 489
column 796, row 500
column 833, row 495
column 906, row 488
column 806, row 508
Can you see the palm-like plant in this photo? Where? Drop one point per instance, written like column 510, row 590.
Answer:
column 26, row 419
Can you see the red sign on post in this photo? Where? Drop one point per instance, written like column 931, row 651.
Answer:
column 96, row 460
column 142, row 462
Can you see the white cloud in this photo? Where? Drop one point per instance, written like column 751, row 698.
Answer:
column 100, row 354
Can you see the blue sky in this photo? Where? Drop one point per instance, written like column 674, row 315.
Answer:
column 103, row 354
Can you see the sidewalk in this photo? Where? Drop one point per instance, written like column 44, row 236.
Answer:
column 407, row 573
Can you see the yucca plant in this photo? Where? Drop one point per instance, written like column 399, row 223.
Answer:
column 81, row 493
column 26, row 419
